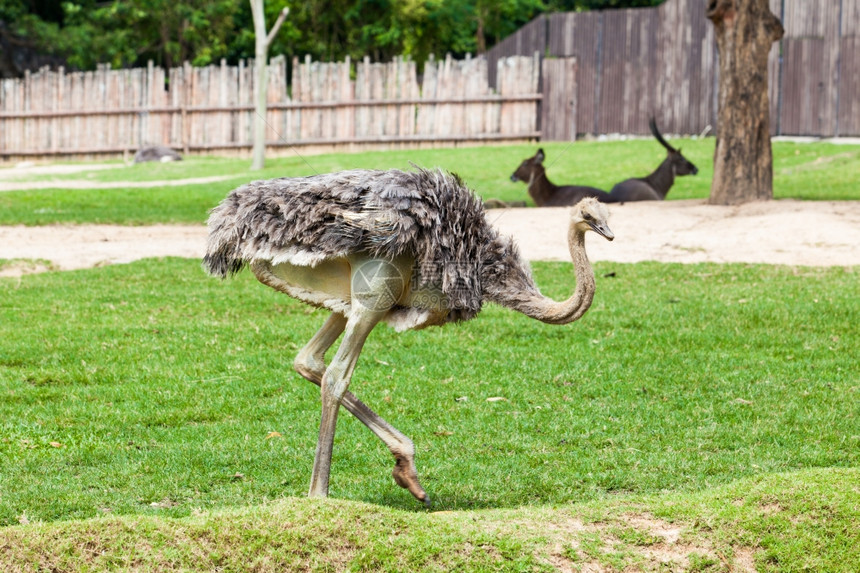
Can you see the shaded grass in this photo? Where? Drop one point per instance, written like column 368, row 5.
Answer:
column 26, row 266
column 797, row 521
column 802, row 171
column 135, row 206
column 151, row 389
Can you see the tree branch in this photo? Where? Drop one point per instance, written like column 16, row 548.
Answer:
column 717, row 9
column 281, row 17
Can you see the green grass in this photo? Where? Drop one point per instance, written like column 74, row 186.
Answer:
column 803, row 521
column 707, row 394
column 802, row 171
column 138, row 402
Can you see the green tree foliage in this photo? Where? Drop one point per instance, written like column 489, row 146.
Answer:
column 128, row 32
column 581, row 5
column 131, row 32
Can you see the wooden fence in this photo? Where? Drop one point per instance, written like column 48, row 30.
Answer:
column 663, row 60
column 211, row 108
column 617, row 68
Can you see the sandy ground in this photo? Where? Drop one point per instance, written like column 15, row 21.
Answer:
column 84, row 184
column 15, row 178
column 780, row 232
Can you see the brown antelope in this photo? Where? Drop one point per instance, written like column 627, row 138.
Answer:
column 547, row 194
column 655, row 186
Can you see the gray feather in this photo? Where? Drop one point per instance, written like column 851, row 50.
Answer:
column 427, row 214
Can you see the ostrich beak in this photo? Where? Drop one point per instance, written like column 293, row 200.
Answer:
column 602, row 230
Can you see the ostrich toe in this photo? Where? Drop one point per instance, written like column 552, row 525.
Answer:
column 406, row 477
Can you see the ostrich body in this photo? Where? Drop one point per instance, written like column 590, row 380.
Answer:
column 412, row 249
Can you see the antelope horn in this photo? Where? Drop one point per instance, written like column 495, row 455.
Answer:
column 652, row 123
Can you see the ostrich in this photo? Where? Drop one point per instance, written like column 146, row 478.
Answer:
column 411, row 249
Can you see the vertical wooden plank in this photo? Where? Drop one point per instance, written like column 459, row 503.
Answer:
column 192, row 118
column 123, row 77
column 558, row 110
column 584, row 31
column 457, row 90
column 773, row 72
column 241, row 135
column 388, row 88
column 369, row 111
column 831, row 27
column 36, row 81
column 849, row 84
column 170, row 98
column 185, row 102
column 295, row 91
column 276, row 123
column 74, row 98
column 361, row 93
column 60, row 105
column 348, row 88
column 35, row 105
column 318, row 86
column 110, row 104
column 377, row 113
column 322, row 94
column 219, row 120
column 427, row 112
column 447, row 86
column 506, row 81
column 4, row 122
column 812, row 43
column 610, row 106
column 305, row 95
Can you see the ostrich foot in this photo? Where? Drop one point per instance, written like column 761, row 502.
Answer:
column 406, row 477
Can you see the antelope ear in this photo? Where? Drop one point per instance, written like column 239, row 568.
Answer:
column 540, row 156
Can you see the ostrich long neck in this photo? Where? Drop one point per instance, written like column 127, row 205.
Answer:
column 552, row 312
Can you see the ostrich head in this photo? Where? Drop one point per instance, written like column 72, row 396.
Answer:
column 591, row 215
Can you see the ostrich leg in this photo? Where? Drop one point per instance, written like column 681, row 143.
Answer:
column 310, row 363
column 335, row 383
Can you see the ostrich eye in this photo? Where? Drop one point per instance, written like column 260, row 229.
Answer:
column 586, row 216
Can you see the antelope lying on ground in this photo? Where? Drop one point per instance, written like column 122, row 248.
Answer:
column 655, row 186
column 547, row 194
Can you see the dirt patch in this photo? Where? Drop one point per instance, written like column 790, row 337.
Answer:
column 786, row 232
column 69, row 247
column 18, row 268
column 669, row 533
column 28, row 169
column 11, row 178
column 632, row 542
column 83, row 184
column 810, row 233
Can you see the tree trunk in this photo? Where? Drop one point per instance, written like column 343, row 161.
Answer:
column 261, row 78
column 743, row 161
column 261, row 85
column 480, row 40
